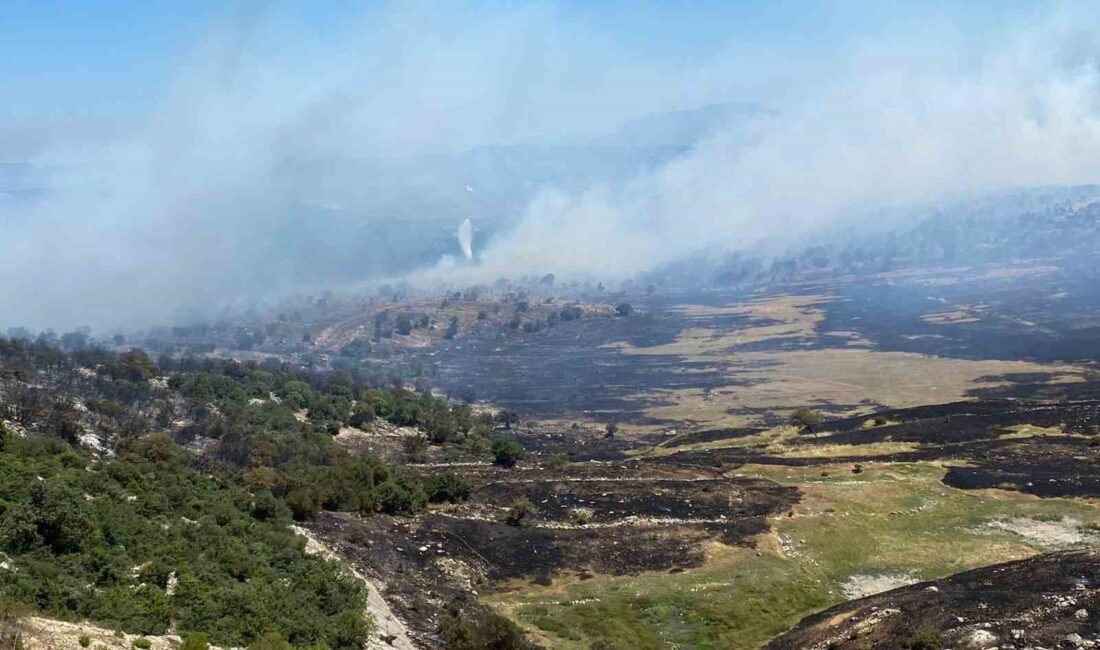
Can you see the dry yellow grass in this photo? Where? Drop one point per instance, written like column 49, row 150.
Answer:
column 953, row 317
column 840, row 451
column 844, row 377
column 795, row 316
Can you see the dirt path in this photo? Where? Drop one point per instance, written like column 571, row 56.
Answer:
column 389, row 630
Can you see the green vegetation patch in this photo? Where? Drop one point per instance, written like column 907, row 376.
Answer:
column 144, row 540
column 889, row 519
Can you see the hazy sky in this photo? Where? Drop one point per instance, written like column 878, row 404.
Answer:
column 108, row 63
column 180, row 138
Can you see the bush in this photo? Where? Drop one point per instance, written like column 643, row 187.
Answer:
column 415, row 448
column 468, row 625
column 270, row 641
column 195, row 641
column 558, row 461
column 303, row 503
column 449, row 487
column 520, row 513
column 624, row 309
column 395, row 498
column 580, row 516
column 809, row 420
column 925, row 637
column 143, row 643
column 508, row 418
column 84, row 640
column 571, row 313
column 507, row 451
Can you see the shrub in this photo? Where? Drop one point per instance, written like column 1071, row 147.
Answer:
column 508, row 418
column 265, row 506
column 809, row 420
column 361, row 415
column 478, row 445
column 467, row 625
column 142, row 643
column 925, row 637
column 270, row 641
column 580, row 516
column 404, row 325
column 624, row 309
column 84, row 640
column 12, row 615
column 195, row 641
column 558, row 461
column 520, row 513
column 415, row 448
column 303, row 503
column 395, row 498
column 448, row 487
column 507, row 451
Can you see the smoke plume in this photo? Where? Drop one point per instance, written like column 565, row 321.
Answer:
column 228, row 191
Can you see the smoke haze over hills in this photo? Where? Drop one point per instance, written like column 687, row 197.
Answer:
column 267, row 165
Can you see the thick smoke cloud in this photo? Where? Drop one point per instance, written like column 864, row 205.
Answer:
column 203, row 204
column 888, row 126
column 200, row 205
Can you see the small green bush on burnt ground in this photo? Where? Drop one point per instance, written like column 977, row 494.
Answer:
column 449, row 487
column 925, row 637
column 507, row 451
column 807, row 419
column 520, row 513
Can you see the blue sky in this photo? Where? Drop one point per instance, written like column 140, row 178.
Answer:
column 109, row 59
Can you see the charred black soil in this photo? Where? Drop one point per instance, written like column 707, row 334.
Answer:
column 1058, row 460
column 590, row 519
column 1047, row 601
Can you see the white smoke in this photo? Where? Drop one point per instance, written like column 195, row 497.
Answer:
column 465, row 236
column 893, row 126
column 183, row 212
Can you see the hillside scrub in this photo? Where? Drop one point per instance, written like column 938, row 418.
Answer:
column 211, row 467
column 103, row 539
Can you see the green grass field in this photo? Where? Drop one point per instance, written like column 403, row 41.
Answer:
column 889, row 520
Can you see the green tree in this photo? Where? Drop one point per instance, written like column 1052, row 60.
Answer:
column 809, row 420
column 507, row 451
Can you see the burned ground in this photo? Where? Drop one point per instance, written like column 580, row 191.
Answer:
column 642, row 517
column 698, row 483
column 979, row 439
column 1047, row 601
column 573, row 368
column 1045, row 315
column 983, row 332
